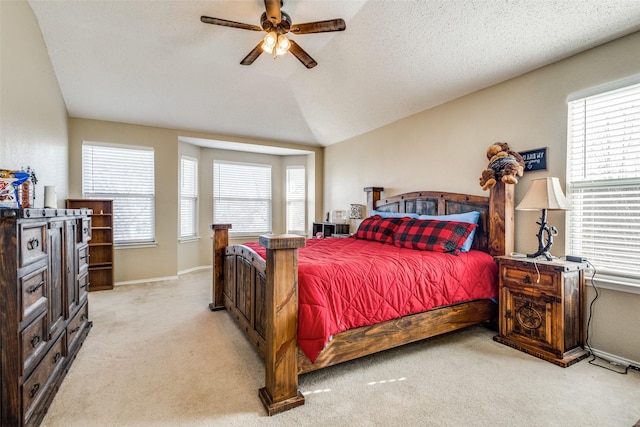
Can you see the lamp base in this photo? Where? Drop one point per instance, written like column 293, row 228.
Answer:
column 544, row 232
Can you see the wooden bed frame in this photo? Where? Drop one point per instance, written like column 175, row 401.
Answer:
column 262, row 295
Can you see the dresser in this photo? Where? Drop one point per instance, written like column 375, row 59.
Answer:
column 541, row 308
column 44, row 314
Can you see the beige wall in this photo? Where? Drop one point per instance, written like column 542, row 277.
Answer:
column 444, row 149
column 170, row 256
column 33, row 123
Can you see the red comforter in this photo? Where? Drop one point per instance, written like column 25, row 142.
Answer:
column 347, row 283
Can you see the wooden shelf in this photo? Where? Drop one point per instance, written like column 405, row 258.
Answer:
column 101, row 257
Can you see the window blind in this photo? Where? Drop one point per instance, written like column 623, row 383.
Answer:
column 126, row 175
column 242, row 197
column 296, row 200
column 188, row 197
column 603, row 182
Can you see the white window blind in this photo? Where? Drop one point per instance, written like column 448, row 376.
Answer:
column 242, row 197
column 603, row 183
column 126, row 175
column 188, row 197
column 296, row 200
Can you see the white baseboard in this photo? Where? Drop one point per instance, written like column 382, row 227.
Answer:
column 615, row 359
column 161, row 279
column 191, row 270
column 153, row 279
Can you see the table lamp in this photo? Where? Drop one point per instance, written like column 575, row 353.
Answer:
column 544, row 194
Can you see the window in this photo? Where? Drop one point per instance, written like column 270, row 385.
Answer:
column 188, row 197
column 296, row 200
column 242, row 197
column 603, row 183
column 126, row 175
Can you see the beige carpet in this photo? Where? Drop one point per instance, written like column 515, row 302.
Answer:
column 157, row 356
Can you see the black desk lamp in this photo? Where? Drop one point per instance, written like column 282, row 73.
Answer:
column 544, row 194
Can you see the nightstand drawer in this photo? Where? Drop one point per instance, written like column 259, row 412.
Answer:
column 530, row 278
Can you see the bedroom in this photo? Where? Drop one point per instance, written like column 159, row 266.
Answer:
column 528, row 111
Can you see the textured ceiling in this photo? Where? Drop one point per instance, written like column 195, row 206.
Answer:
column 154, row 63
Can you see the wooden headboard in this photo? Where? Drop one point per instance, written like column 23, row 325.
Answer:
column 495, row 232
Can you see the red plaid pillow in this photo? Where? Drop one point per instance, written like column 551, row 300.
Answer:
column 432, row 235
column 378, row 229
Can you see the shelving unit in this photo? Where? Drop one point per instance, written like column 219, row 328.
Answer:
column 101, row 243
column 328, row 229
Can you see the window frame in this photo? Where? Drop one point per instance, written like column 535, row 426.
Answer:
column 594, row 189
column 126, row 169
column 296, row 200
column 193, row 198
column 237, row 230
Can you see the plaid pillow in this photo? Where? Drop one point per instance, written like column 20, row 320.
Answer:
column 378, row 229
column 432, row 235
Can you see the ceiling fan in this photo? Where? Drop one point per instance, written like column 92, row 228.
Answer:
column 277, row 23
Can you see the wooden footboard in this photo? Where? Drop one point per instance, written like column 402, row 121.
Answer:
column 262, row 295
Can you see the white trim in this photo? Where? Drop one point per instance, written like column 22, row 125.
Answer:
column 154, row 279
column 615, row 359
column 194, row 269
column 188, row 239
column 118, row 246
column 616, row 284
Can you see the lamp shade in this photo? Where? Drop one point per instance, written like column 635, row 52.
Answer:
column 544, row 193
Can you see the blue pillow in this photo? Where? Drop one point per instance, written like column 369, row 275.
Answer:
column 470, row 217
column 394, row 214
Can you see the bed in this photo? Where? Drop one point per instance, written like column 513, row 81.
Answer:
column 258, row 286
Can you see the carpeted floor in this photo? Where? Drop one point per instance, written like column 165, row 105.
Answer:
column 157, row 356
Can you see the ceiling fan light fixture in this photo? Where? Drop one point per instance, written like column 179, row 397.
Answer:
column 270, row 41
column 283, row 43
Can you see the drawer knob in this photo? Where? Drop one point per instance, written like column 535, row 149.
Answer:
column 527, row 279
column 76, row 329
column 35, row 341
column 33, row 244
column 34, row 390
column 31, row 289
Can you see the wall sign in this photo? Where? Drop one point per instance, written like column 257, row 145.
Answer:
column 535, row 160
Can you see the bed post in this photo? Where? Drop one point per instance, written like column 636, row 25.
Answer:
column 501, row 216
column 281, row 354
column 373, row 195
column 220, row 243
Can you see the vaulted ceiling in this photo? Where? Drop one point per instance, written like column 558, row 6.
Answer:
column 154, row 63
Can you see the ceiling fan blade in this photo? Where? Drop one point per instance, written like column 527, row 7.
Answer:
column 302, row 56
column 253, row 55
column 319, row 26
column 273, row 11
column 225, row 23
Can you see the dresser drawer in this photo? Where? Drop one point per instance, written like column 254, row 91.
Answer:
column 83, row 259
column 85, row 230
column 32, row 242
column 33, row 388
column 33, row 293
column 76, row 326
column 530, row 278
column 34, row 340
column 83, row 287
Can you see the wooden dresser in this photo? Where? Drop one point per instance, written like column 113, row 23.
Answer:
column 541, row 308
column 44, row 314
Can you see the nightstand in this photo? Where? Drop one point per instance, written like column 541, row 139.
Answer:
column 541, row 308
